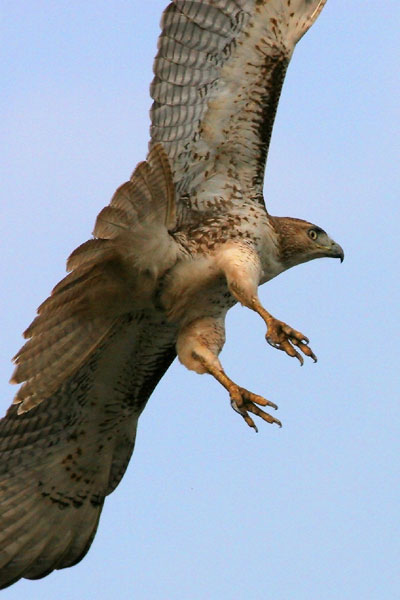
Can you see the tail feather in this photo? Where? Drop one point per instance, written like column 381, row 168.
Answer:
column 111, row 276
column 112, row 222
column 85, row 257
column 46, row 363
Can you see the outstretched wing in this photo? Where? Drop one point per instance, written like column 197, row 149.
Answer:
column 95, row 352
column 61, row 458
column 218, row 77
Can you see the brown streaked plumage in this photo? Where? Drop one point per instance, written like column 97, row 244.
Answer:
column 181, row 242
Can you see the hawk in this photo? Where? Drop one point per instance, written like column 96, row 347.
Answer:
column 186, row 238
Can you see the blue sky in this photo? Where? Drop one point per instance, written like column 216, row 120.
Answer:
column 208, row 510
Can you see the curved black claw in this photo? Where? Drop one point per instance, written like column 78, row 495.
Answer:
column 283, row 337
column 243, row 402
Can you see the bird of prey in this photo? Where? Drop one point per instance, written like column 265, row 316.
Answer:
column 180, row 243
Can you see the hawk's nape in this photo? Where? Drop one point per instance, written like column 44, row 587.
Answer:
column 94, row 355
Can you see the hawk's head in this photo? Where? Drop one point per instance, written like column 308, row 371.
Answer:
column 301, row 241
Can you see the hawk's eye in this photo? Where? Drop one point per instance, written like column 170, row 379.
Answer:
column 313, row 234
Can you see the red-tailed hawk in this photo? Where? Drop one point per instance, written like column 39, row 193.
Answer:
column 181, row 242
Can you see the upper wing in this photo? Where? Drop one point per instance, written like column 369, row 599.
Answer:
column 111, row 275
column 218, row 77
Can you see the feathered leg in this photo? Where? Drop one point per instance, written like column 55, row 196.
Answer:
column 198, row 346
column 242, row 268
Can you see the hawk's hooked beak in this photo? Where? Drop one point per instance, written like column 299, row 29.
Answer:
column 336, row 251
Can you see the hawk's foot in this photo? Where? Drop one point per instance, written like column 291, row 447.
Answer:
column 281, row 336
column 243, row 402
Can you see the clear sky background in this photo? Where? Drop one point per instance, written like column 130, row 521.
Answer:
column 208, row 510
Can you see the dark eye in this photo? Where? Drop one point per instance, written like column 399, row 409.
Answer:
column 313, row 234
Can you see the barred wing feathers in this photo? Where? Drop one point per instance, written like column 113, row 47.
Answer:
column 95, row 353
column 218, row 76
column 60, row 459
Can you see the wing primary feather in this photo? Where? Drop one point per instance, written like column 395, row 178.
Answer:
column 218, row 75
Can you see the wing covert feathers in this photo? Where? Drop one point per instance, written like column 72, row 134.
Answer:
column 110, row 275
column 63, row 457
column 218, row 75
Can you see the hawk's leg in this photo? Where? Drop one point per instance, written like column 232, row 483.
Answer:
column 242, row 268
column 198, row 346
column 242, row 401
column 282, row 336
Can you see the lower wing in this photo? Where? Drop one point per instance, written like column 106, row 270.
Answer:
column 94, row 354
column 61, row 458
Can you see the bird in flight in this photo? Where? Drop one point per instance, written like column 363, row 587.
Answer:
column 186, row 238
